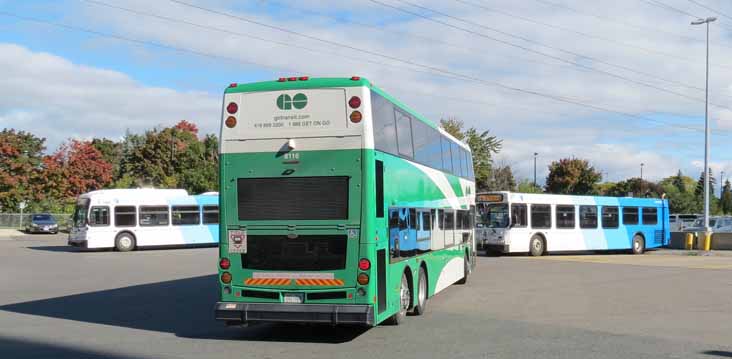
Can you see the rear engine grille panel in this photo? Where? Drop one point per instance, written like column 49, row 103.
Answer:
column 304, row 253
column 293, row 198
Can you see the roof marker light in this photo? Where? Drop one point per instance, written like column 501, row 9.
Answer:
column 233, row 84
column 281, row 79
column 292, row 79
column 303, row 78
column 355, row 78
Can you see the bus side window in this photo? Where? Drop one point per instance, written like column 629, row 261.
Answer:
column 441, row 219
column 394, row 229
column 449, row 228
column 154, row 216
column 210, row 214
column 519, row 218
column 185, row 215
column 650, row 215
column 124, row 216
column 588, row 217
column 99, row 216
column 609, row 217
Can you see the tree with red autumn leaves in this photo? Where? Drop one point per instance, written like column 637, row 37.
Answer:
column 76, row 167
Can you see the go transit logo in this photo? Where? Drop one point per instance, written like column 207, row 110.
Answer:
column 286, row 102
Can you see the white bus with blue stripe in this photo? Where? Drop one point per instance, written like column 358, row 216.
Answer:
column 127, row 219
column 541, row 223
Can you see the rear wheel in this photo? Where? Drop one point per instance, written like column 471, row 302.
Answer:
column 405, row 298
column 536, row 246
column 125, row 242
column 639, row 244
column 421, row 306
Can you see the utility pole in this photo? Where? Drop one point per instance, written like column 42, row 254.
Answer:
column 707, row 235
column 535, row 154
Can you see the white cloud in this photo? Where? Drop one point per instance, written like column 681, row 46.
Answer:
column 95, row 101
column 54, row 98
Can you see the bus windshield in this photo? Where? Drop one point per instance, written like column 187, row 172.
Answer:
column 495, row 215
column 82, row 207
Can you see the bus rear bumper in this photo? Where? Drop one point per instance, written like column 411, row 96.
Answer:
column 233, row 312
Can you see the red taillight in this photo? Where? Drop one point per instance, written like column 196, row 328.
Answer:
column 232, row 108
column 303, row 78
column 224, row 263
column 281, row 79
column 363, row 279
column 233, row 84
column 355, row 78
column 364, row 264
column 356, row 116
column 292, row 79
column 354, row 102
column 230, row 122
column 226, row 277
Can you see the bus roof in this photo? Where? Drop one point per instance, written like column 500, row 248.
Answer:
column 141, row 194
column 546, row 198
column 325, row 82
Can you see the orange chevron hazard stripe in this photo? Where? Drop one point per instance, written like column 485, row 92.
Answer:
column 267, row 281
column 319, row 282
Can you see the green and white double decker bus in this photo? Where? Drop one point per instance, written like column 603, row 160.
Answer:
column 339, row 205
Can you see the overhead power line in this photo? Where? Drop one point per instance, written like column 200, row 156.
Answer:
column 590, row 68
column 669, row 7
column 577, row 32
column 710, row 9
column 391, row 32
column 288, row 44
column 429, row 67
column 204, row 54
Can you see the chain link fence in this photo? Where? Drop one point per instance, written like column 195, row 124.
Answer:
column 13, row 220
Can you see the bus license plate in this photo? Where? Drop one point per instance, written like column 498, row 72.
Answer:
column 295, row 298
column 237, row 241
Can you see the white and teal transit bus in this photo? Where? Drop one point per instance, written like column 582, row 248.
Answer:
column 541, row 223
column 127, row 219
column 339, row 204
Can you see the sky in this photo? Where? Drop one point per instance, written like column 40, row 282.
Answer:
column 617, row 83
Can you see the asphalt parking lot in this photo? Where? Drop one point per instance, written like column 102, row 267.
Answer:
column 56, row 302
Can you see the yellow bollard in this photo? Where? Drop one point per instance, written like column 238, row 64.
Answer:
column 707, row 241
column 690, row 240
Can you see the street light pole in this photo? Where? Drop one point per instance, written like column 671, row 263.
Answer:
column 641, row 180
column 706, row 129
column 535, row 154
column 721, row 183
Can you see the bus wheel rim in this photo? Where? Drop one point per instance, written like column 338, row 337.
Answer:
column 404, row 295
column 422, row 290
column 125, row 242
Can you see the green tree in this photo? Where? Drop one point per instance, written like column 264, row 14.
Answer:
column 171, row 157
column 699, row 193
column 725, row 203
column 111, row 153
column 21, row 155
column 527, row 186
column 572, row 176
column 635, row 187
column 482, row 145
column 502, row 179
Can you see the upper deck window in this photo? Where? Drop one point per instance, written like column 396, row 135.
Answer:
column 404, row 134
